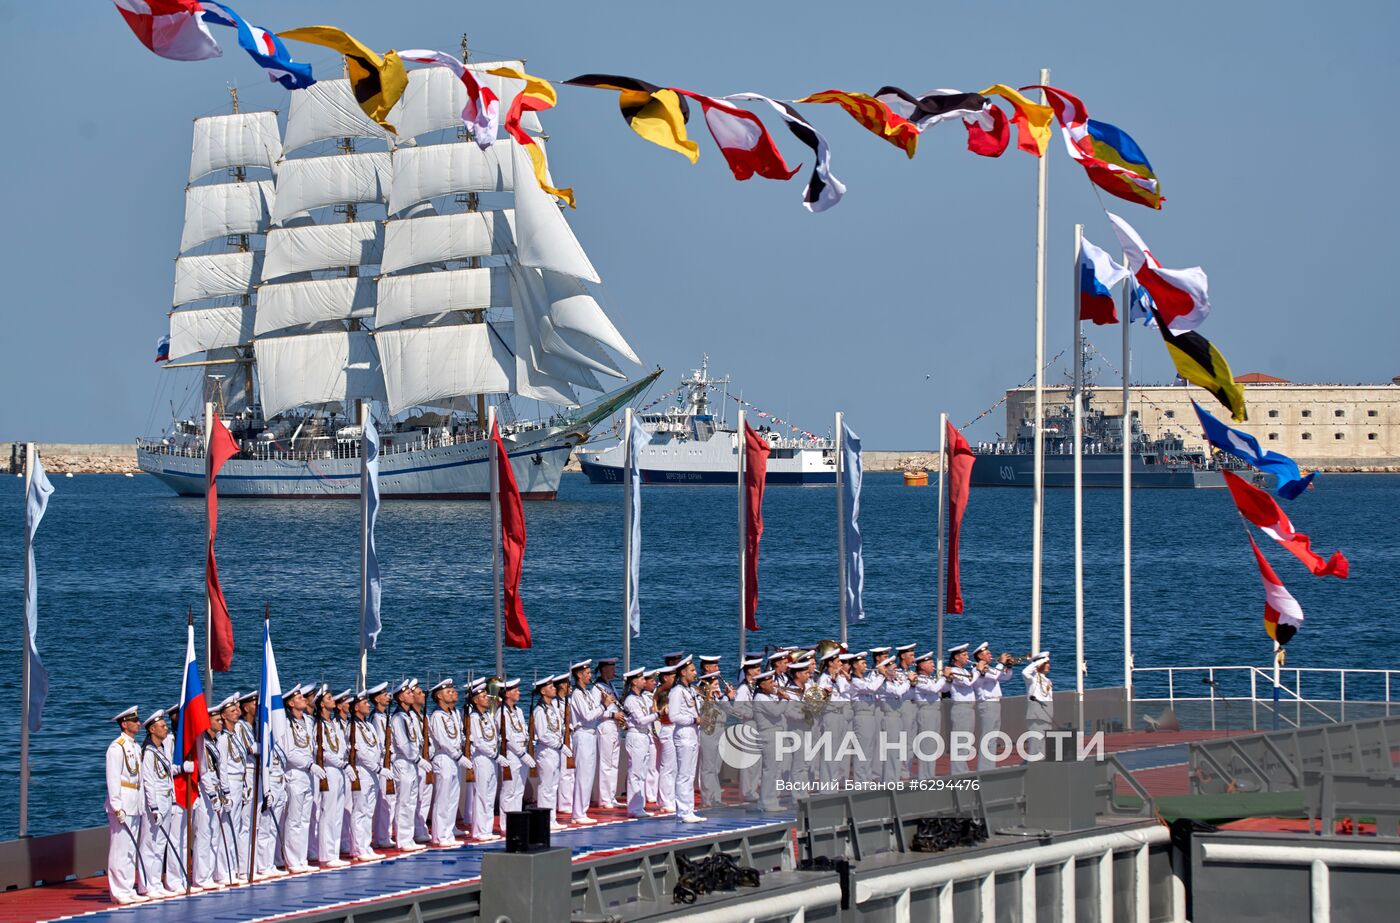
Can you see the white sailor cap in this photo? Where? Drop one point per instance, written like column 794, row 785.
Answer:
column 927, row 655
column 562, row 678
column 905, row 647
column 753, row 662
column 779, row 655
column 884, row 663
column 651, row 674
column 214, row 710
column 362, row 695
column 802, row 663
column 153, row 717
column 1039, row 658
column 375, row 690
column 580, row 665
column 173, row 710
column 848, row 658
column 956, row 649
column 444, row 683
column 684, row 661
column 880, row 651
column 403, row 687
column 319, row 690
column 511, row 684
column 831, row 655
column 344, row 696
column 249, row 697
column 229, row 702
column 294, row 691
column 674, row 655
column 766, row 674
column 634, row 673
column 981, row 647
column 661, row 671
column 604, row 661
column 544, row 681
column 709, row 658
column 477, row 687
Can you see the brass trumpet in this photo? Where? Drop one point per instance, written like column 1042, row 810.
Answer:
column 1014, row 660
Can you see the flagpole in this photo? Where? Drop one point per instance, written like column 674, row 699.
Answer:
column 1127, row 436
column 842, row 576
column 1038, row 498
column 942, row 602
column 208, row 540
column 627, row 513
column 1078, row 341
column 188, row 808
column 742, row 441
column 364, row 545
column 257, row 770
column 496, row 541
column 30, row 453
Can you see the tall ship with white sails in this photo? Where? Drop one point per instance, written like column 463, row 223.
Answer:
column 689, row 444
column 336, row 270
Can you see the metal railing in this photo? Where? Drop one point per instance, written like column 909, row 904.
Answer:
column 1302, row 695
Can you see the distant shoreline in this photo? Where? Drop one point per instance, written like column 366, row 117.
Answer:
column 109, row 458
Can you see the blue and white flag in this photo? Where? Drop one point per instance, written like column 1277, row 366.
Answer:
column 35, row 505
column 851, row 476
column 272, row 717
column 1290, row 482
column 637, row 438
column 263, row 47
column 369, row 500
column 1141, row 307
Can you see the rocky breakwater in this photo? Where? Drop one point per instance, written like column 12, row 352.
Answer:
column 78, row 458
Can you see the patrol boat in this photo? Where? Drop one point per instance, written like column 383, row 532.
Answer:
column 332, row 272
column 690, row 445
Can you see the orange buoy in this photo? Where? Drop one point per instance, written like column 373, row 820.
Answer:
column 916, row 479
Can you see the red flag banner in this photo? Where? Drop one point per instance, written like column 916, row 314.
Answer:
column 1261, row 509
column 742, row 139
column 958, row 467
column 756, row 450
column 512, row 544
column 221, row 449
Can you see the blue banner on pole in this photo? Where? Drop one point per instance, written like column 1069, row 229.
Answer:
column 369, row 496
column 851, row 475
column 35, row 505
column 637, row 438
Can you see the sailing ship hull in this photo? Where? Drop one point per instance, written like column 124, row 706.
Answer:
column 451, row 472
column 1100, row 469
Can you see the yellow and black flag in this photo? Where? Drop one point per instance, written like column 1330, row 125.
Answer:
column 1199, row 362
column 654, row 113
column 376, row 82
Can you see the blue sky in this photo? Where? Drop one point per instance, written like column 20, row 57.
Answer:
column 1267, row 123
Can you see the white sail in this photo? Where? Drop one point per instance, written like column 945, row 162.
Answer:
column 422, row 173
column 536, row 364
column 544, row 238
column 425, row 294
column 434, row 99
column 422, row 241
column 244, row 139
column 293, row 304
column 325, row 110
column 303, row 249
column 198, row 277
column 427, row 364
column 312, row 182
column 194, row 330
column 318, row 368
column 572, row 309
column 225, row 208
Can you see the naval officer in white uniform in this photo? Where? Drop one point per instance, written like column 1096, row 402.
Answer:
column 125, row 810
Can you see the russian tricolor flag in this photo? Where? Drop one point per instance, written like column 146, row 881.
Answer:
column 193, row 724
column 1098, row 273
column 163, row 349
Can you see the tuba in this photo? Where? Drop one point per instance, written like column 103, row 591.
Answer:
column 814, row 701
column 826, row 647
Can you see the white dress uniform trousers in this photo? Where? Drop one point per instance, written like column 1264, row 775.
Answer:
column 387, row 803
column 369, row 763
column 609, row 750
column 330, row 816
column 963, row 714
column 519, row 761
column 125, row 810
column 296, row 816
column 988, row 691
column 407, row 747
column 485, row 758
column 585, row 712
column 683, row 708
column 445, row 729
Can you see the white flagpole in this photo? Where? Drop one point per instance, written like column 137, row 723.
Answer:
column 208, row 537
column 743, row 536
column 496, row 587
column 942, row 601
column 842, row 575
column 30, row 454
column 627, row 513
column 1038, row 498
column 1078, row 341
column 1127, row 436
column 364, row 546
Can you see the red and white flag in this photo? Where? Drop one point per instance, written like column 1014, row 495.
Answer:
column 1260, row 508
column 221, row 449
column 742, row 138
column 517, row 628
column 1282, row 614
column 171, row 28
column 1181, row 295
column 482, row 112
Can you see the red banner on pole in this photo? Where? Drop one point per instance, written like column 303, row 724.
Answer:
column 959, row 469
column 517, row 629
column 756, row 450
column 221, row 449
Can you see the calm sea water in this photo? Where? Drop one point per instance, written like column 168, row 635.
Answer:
column 120, row 562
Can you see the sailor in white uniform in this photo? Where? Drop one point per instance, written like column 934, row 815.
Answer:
column 768, row 721
column 213, row 853
column 271, row 808
column 245, row 732
column 990, row 675
column 641, row 717
column 961, row 690
column 518, row 760
column 234, row 763
column 665, row 741
column 927, row 695
column 365, row 785
column 587, row 706
column 331, row 758
column 609, row 735
column 860, row 690
column 683, row 707
column 486, row 764
column 547, row 725
column 158, row 798
column 176, row 874
column 1040, row 703
column 406, row 740
column 125, row 811
column 716, row 692
column 653, row 767
column 301, row 756
column 387, row 803
column 445, row 736
column 563, row 687
column 749, row 776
